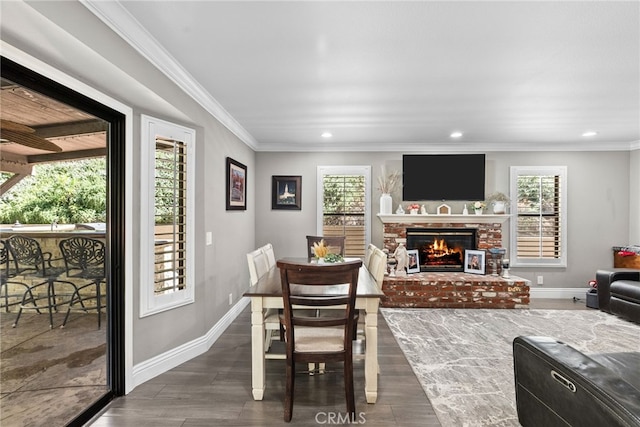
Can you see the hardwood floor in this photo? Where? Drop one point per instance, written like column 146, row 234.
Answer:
column 214, row 389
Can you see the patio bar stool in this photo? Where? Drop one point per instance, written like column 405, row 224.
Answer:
column 7, row 273
column 84, row 258
column 36, row 265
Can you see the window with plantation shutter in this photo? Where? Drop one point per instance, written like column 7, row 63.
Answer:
column 343, row 201
column 167, row 216
column 538, row 229
column 170, row 215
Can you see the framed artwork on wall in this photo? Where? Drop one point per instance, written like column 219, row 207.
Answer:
column 236, row 185
column 286, row 192
column 414, row 261
column 474, row 261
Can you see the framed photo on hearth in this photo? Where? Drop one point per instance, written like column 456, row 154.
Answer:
column 474, row 261
column 286, row 192
column 236, row 185
column 414, row 261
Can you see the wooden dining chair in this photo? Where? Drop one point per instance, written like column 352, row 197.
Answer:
column 367, row 255
column 324, row 339
column 258, row 262
column 334, row 243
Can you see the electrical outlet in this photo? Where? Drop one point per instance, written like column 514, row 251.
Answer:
column 209, row 238
column 230, row 299
column 540, row 280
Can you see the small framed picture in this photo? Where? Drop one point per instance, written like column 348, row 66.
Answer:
column 236, row 185
column 414, row 261
column 286, row 192
column 474, row 261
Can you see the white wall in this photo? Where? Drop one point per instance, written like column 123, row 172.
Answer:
column 634, row 197
column 598, row 203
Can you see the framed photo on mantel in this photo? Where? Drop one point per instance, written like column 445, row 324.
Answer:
column 286, row 192
column 236, row 185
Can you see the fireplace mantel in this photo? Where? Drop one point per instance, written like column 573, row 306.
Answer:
column 438, row 219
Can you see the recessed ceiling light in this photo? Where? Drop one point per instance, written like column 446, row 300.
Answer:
column 590, row 133
column 456, row 135
column 326, row 135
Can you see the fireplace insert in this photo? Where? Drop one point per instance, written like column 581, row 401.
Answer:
column 441, row 249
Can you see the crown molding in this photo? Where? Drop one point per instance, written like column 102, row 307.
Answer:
column 116, row 17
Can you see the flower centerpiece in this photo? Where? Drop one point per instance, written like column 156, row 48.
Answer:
column 386, row 184
column 413, row 208
column 478, row 207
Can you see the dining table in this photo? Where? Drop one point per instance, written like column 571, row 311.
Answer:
column 267, row 294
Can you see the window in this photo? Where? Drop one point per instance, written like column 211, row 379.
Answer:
column 538, row 230
column 167, row 216
column 344, row 194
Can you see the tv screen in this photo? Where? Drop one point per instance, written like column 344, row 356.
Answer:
column 443, row 177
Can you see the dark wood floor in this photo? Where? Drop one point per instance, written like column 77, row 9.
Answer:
column 214, row 389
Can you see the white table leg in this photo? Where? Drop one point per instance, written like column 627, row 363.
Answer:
column 257, row 348
column 371, row 350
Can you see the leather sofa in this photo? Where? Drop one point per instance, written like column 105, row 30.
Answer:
column 619, row 292
column 557, row 385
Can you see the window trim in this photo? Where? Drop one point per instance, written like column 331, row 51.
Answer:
column 150, row 303
column 516, row 171
column 344, row 170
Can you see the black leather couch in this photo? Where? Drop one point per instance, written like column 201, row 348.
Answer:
column 619, row 292
column 557, row 385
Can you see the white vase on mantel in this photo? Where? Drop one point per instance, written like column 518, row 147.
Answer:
column 386, row 204
column 478, row 211
column 499, row 207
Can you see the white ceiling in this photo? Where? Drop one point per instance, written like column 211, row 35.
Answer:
column 401, row 75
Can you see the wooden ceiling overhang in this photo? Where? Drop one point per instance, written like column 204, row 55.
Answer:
column 25, row 113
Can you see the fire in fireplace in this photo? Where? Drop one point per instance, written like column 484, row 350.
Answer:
column 441, row 249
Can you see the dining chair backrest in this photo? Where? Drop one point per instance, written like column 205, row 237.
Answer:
column 316, row 339
column 334, row 243
column 367, row 255
column 83, row 256
column 271, row 256
column 378, row 265
column 258, row 265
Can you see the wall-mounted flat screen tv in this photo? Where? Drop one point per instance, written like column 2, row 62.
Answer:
column 443, row 176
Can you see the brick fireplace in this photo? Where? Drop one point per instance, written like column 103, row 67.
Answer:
column 451, row 289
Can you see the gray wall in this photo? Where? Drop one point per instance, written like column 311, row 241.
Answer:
column 598, row 203
column 634, row 197
column 104, row 62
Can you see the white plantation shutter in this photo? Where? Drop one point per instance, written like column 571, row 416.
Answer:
column 344, row 206
column 538, row 229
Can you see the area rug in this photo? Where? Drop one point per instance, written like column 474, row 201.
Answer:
column 463, row 358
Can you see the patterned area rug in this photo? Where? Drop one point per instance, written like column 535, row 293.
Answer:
column 463, row 358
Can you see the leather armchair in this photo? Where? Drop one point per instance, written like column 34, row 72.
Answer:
column 619, row 292
column 557, row 385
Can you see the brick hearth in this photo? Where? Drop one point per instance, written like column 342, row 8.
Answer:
column 455, row 290
column 451, row 289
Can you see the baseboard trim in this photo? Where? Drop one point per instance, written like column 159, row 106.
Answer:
column 558, row 293
column 151, row 368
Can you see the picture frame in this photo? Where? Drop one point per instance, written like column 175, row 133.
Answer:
column 474, row 261
column 236, row 185
column 286, row 192
column 414, row 261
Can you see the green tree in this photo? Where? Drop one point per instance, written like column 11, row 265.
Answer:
column 66, row 192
